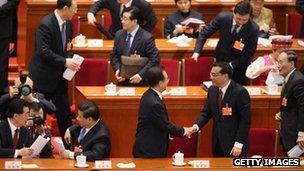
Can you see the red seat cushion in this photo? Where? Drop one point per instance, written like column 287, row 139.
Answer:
column 186, row 145
column 172, row 68
column 197, row 72
column 294, row 24
column 93, row 72
column 262, row 142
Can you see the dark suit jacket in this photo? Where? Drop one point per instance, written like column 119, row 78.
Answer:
column 176, row 18
column 293, row 114
column 228, row 129
column 224, row 50
column 153, row 127
column 48, row 62
column 147, row 16
column 46, row 152
column 300, row 9
column 6, row 18
column 95, row 144
column 6, row 140
column 144, row 45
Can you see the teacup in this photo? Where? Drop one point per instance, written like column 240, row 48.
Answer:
column 81, row 160
column 178, row 158
column 110, row 88
column 80, row 39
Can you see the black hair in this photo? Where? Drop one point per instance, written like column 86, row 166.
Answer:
column 243, row 8
column 179, row 0
column 90, row 109
column 35, row 106
column 155, row 75
column 63, row 3
column 134, row 12
column 225, row 68
column 291, row 56
column 16, row 107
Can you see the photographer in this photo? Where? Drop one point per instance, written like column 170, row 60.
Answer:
column 36, row 127
column 23, row 89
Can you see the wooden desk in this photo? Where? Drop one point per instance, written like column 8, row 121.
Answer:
column 36, row 9
column 225, row 164
column 120, row 114
column 171, row 51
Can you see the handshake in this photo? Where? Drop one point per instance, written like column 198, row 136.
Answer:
column 190, row 130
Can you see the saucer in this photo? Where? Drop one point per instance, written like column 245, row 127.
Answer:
column 182, row 164
column 81, row 166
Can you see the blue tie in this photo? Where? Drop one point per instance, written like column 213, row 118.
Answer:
column 63, row 35
column 126, row 50
column 81, row 135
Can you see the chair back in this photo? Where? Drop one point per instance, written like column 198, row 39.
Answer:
column 188, row 146
column 172, row 68
column 263, row 141
column 93, row 72
column 194, row 73
column 293, row 24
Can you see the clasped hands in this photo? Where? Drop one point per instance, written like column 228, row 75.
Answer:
column 135, row 79
column 189, row 131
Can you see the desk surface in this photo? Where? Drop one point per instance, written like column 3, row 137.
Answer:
column 142, row 164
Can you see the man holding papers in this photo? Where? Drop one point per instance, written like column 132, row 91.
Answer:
column 51, row 57
column 14, row 137
column 135, row 42
column 291, row 115
column 91, row 137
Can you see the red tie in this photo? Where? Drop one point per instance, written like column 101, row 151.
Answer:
column 219, row 98
column 16, row 139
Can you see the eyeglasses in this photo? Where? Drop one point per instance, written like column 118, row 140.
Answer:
column 125, row 18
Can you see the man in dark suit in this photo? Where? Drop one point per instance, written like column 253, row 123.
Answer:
column 146, row 19
column 228, row 103
column 6, row 22
column 291, row 113
column 51, row 58
column 14, row 141
column 90, row 137
column 238, row 39
column 133, row 41
column 300, row 9
column 154, row 127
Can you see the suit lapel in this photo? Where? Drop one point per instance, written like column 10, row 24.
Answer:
column 22, row 138
column 287, row 85
column 136, row 40
column 228, row 93
column 90, row 134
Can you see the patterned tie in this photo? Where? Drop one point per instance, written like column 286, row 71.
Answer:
column 126, row 51
column 81, row 135
column 219, row 98
column 15, row 138
column 123, row 10
column 63, row 34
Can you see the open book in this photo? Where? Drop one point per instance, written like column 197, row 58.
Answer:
column 192, row 22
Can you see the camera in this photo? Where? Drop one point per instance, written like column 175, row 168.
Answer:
column 23, row 89
column 37, row 120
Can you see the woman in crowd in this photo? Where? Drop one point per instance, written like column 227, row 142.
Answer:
column 173, row 27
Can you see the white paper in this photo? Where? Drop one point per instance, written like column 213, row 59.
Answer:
column 38, row 145
column 103, row 164
column 59, row 144
column 130, row 91
column 13, row 164
column 301, row 43
column 179, row 91
column 126, row 165
column 68, row 73
column 264, row 42
column 253, row 90
column 95, row 43
column 2, row 2
column 212, row 42
column 296, row 151
column 283, row 37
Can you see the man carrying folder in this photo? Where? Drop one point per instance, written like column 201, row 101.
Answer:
column 135, row 42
